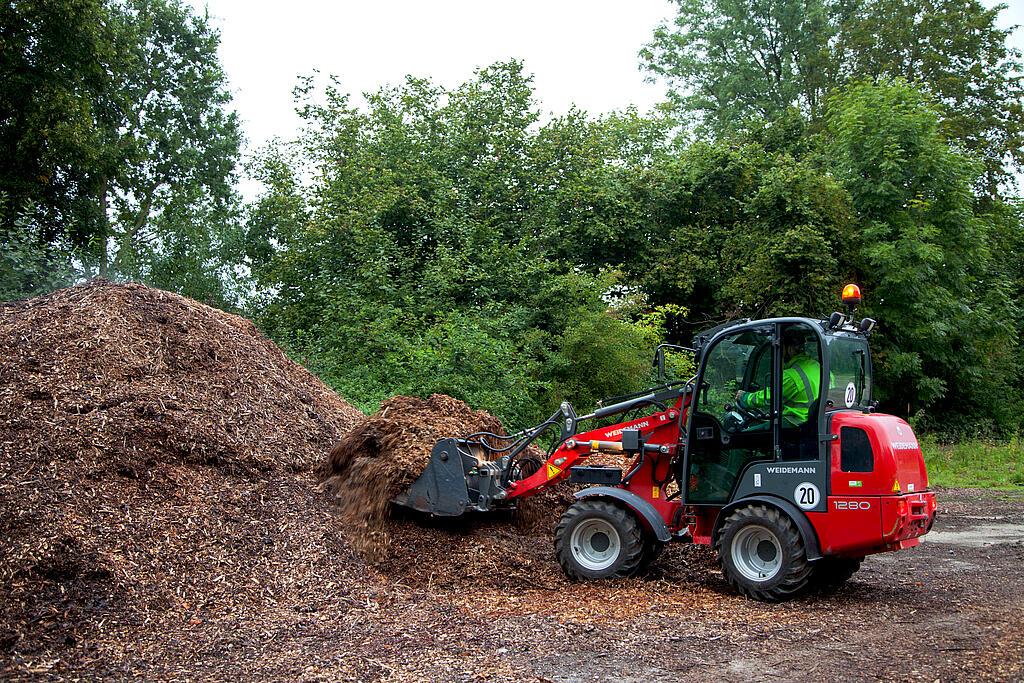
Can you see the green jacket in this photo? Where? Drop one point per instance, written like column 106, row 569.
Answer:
column 801, row 386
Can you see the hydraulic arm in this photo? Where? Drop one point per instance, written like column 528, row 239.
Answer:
column 485, row 471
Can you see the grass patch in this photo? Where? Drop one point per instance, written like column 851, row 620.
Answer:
column 976, row 464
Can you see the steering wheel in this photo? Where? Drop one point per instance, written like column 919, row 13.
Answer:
column 748, row 414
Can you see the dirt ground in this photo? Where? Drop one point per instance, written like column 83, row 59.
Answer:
column 948, row 610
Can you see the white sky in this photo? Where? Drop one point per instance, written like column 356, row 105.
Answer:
column 581, row 52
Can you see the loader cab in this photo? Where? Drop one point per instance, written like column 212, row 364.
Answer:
column 759, row 409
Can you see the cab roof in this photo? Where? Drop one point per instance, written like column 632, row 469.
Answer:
column 701, row 339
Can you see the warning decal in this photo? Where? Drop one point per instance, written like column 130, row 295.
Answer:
column 553, row 471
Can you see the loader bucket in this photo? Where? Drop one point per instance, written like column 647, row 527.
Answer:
column 457, row 478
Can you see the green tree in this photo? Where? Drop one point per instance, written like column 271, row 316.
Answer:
column 423, row 252
column 169, row 150
column 29, row 262
column 733, row 229
column 924, row 253
column 734, row 60
column 731, row 62
column 116, row 139
column 955, row 51
column 52, row 74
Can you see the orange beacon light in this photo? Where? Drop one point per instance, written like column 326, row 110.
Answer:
column 851, row 295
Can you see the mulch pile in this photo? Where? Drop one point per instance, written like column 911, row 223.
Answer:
column 132, row 375
column 383, row 455
column 156, row 469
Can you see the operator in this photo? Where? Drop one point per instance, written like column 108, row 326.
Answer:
column 801, row 383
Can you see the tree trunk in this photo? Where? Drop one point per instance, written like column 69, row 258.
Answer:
column 127, row 237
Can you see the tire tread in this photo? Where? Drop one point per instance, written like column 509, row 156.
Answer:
column 797, row 572
column 633, row 544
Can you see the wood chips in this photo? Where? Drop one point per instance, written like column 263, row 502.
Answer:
column 160, row 519
column 386, row 453
column 156, row 463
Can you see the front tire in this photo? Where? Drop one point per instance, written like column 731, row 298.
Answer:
column 596, row 539
column 762, row 554
column 653, row 548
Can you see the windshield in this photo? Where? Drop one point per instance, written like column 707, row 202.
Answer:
column 850, row 370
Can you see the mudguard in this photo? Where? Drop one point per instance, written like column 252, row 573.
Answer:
column 647, row 513
column 803, row 525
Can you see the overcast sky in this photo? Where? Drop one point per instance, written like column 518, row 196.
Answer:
column 581, row 52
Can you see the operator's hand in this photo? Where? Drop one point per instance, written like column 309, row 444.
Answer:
column 739, row 395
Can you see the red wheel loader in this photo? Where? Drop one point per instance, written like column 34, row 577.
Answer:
column 773, row 453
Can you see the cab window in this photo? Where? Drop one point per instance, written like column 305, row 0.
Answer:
column 724, row 436
column 850, row 370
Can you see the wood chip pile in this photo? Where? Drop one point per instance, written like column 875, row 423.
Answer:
column 386, row 453
column 160, row 514
column 131, row 375
column 156, row 461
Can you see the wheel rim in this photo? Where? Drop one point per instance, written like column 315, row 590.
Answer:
column 757, row 553
column 595, row 544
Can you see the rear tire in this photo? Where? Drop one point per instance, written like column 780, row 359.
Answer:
column 829, row 573
column 762, row 554
column 596, row 539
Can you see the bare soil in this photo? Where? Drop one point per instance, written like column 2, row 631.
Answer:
column 146, row 540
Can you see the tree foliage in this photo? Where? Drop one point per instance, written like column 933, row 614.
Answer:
column 115, row 139
column 51, row 78
column 450, row 241
column 734, row 61
column 169, row 146
column 925, row 253
column 427, row 252
column 455, row 240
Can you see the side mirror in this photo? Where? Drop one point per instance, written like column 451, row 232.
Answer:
column 659, row 358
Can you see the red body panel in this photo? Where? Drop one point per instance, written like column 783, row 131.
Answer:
column 855, row 526
column 864, row 509
column 660, row 428
column 898, row 457
column 867, row 512
column 851, row 523
column 657, row 428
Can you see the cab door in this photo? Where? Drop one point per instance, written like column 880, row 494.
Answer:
column 723, row 439
column 797, row 472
